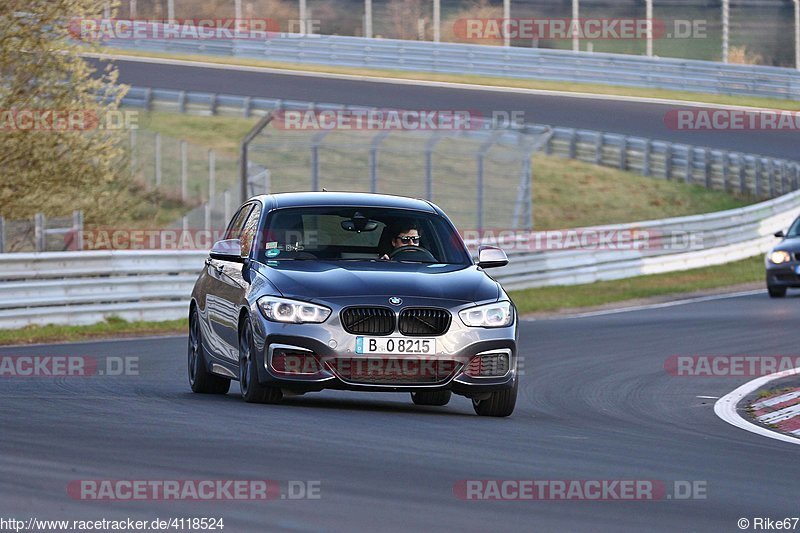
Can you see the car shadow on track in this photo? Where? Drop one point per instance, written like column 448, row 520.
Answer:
column 342, row 404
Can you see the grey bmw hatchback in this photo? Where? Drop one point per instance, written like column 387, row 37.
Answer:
column 360, row 292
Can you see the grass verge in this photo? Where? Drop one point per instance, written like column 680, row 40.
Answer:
column 490, row 81
column 544, row 299
column 566, row 193
column 112, row 327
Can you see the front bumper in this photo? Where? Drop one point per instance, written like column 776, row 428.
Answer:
column 783, row 275
column 329, row 342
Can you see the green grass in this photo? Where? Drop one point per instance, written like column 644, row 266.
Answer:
column 555, row 298
column 112, row 327
column 492, row 81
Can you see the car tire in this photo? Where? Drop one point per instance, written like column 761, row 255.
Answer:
column 431, row 397
column 776, row 292
column 200, row 379
column 252, row 391
column 499, row 403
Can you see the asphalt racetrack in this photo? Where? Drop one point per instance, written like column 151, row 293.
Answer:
column 617, row 116
column 595, row 404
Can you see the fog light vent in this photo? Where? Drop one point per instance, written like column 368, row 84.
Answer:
column 488, row 365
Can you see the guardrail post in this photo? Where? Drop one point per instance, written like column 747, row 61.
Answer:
column 573, row 144
column 623, row 154
column 184, row 171
column 707, row 167
column 771, row 177
column 214, row 104
column 77, row 229
column 668, row 161
column 148, row 99
column 757, row 174
column 248, row 102
column 742, row 174
column 2, row 235
column 646, row 156
column 212, row 178
column 724, row 160
column 158, row 160
column 784, row 173
column 795, row 176
column 267, row 181
column 182, row 102
column 38, row 232
column 479, row 180
column 598, row 148
column 688, row 178
column 207, row 216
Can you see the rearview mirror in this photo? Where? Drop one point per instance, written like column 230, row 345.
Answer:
column 780, row 234
column 227, row 250
column 491, row 257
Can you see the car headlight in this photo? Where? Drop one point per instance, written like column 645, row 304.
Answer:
column 780, row 256
column 292, row 311
column 496, row 315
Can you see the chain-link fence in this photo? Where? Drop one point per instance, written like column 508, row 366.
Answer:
column 481, row 178
column 42, row 233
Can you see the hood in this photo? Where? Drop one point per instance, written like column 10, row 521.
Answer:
column 791, row 244
column 320, row 280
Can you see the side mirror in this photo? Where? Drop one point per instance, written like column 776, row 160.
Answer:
column 780, row 234
column 227, row 250
column 491, row 257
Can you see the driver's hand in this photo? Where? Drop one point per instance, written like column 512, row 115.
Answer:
column 384, row 256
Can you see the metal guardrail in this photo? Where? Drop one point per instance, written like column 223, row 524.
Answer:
column 759, row 176
column 87, row 287
column 507, row 62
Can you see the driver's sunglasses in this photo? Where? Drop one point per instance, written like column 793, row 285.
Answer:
column 406, row 240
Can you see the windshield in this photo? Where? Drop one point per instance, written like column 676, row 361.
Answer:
column 359, row 234
column 794, row 230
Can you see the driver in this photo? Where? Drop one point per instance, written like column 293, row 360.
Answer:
column 407, row 235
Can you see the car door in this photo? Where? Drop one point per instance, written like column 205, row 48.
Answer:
column 237, row 283
column 223, row 293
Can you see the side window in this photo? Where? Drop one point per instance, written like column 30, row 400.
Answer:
column 250, row 229
column 237, row 222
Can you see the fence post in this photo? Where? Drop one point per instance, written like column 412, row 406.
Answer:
column 77, row 228
column 373, row 160
column 158, row 160
column 623, row 154
column 648, row 149
column 133, row 152
column 227, row 206
column 212, row 178
column 2, row 235
column 38, row 232
column 184, row 171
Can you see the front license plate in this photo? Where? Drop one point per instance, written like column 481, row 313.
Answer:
column 394, row 345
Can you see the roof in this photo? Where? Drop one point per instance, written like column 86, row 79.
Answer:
column 356, row 199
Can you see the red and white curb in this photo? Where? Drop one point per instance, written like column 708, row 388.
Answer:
column 782, row 410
